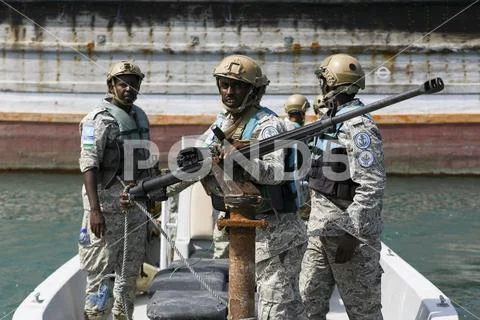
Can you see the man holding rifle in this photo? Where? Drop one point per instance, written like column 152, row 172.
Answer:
column 347, row 179
column 105, row 131
column 279, row 248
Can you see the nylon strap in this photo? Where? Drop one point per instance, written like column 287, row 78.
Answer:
column 237, row 135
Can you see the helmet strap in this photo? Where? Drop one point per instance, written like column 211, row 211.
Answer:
column 331, row 98
column 304, row 106
column 246, row 102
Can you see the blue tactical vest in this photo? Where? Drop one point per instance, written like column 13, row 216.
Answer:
column 324, row 145
column 299, row 186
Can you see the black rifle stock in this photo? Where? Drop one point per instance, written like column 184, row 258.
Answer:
column 285, row 139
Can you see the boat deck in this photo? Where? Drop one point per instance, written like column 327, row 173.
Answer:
column 406, row 294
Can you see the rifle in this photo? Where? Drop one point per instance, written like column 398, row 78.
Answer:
column 191, row 159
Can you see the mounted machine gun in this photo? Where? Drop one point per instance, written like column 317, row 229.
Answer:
column 241, row 197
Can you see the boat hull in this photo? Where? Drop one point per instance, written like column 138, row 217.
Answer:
column 406, row 294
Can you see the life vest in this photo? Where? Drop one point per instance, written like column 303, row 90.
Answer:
column 327, row 144
column 132, row 127
column 280, row 198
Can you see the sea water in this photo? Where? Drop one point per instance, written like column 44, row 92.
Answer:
column 431, row 222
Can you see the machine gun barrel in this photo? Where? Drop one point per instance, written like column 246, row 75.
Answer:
column 285, row 139
column 144, row 187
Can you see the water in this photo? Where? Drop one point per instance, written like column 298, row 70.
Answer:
column 431, row 222
column 40, row 216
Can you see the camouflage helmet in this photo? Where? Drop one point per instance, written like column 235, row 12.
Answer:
column 241, row 68
column 124, row 67
column 341, row 69
column 296, row 103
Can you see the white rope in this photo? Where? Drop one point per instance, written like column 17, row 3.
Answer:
column 123, row 282
column 202, row 281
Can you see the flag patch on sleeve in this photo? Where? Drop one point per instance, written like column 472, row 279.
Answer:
column 88, row 134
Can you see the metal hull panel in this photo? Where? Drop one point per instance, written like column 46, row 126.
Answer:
column 178, row 44
column 417, row 148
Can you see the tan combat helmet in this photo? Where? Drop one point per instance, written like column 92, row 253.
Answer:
column 241, row 68
column 296, row 103
column 124, row 67
column 342, row 70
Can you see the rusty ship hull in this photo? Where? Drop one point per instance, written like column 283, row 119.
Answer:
column 55, row 55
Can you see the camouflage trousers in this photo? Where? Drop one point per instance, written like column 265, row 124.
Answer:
column 277, row 286
column 172, row 205
column 358, row 280
column 102, row 259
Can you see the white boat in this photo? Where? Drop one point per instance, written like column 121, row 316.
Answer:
column 406, row 294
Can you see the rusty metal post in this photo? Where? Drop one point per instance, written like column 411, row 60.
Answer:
column 241, row 288
column 241, row 199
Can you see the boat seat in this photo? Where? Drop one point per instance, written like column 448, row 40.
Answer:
column 178, row 277
column 200, row 265
column 186, row 305
column 172, row 280
column 177, row 286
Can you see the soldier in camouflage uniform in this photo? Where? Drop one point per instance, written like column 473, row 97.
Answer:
column 279, row 248
column 347, row 181
column 296, row 108
column 104, row 131
column 221, row 244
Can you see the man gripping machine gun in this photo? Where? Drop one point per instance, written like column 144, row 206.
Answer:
column 192, row 159
column 241, row 197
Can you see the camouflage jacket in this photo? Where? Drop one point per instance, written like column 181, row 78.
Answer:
column 98, row 129
column 362, row 217
column 285, row 230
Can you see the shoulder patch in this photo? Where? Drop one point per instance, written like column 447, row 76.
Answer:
column 365, row 159
column 268, row 132
column 88, row 134
column 362, row 140
column 355, row 121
